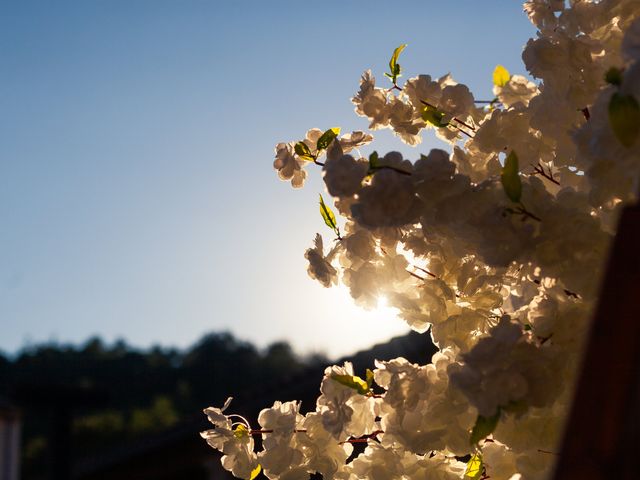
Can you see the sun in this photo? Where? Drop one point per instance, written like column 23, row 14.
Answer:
column 351, row 328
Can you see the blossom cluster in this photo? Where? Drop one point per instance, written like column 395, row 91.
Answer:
column 496, row 248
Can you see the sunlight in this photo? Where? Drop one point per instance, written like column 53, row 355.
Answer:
column 349, row 328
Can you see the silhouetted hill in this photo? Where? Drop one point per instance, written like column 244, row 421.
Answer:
column 179, row 452
column 115, row 393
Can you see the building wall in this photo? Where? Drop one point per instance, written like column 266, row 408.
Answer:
column 9, row 445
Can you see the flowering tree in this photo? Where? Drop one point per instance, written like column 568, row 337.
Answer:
column 497, row 248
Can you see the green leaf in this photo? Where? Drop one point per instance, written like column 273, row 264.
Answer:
column 303, row 151
column 613, row 76
column 393, row 62
column 433, row 116
column 255, row 472
column 352, row 381
column 501, row 76
column 475, row 467
column 374, row 161
column 375, row 164
column 327, row 137
column 484, row 427
column 510, row 178
column 394, row 67
column 624, row 116
column 327, row 215
column 369, row 377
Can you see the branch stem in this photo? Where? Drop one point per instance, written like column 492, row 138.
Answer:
column 430, row 105
column 539, row 169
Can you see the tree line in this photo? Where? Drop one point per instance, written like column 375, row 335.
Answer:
column 132, row 392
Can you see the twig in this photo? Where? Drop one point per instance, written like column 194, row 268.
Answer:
column 522, row 210
column 454, row 118
column 261, row 431
column 416, row 275
column 390, row 167
column 566, row 291
column 461, row 131
column 569, row 293
column 463, row 123
column 539, row 169
column 364, row 438
column 425, row 271
column 527, row 213
column 544, row 340
column 546, row 451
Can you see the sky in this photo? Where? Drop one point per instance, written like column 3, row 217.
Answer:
column 137, row 194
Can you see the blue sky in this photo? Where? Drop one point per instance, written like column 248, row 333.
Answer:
column 137, row 195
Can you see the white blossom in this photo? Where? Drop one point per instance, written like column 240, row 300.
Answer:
column 320, row 267
column 505, row 283
column 235, row 444
column 288, row 166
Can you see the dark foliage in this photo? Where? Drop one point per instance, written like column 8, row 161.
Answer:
column 115, row 393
